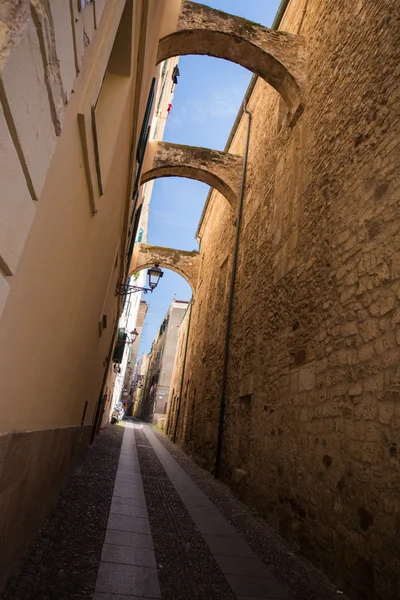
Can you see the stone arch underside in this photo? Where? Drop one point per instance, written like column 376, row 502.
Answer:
column 182, row 262
column 275, row 56
column 220, row 170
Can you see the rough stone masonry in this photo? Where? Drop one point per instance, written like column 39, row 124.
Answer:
column 311, row 432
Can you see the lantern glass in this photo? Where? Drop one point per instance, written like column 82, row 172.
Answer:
column 154, row 274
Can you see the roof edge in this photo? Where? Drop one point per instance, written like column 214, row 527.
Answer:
column 275, row 25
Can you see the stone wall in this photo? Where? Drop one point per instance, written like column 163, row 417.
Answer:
column 311, row 434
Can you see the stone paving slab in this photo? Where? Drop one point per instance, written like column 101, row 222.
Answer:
column 102, row 596
column 128, row 523
column 127, row 538
column 119, row 579
column 128, row 555
column 254, row 598
column 128, row 509
column 128, row 501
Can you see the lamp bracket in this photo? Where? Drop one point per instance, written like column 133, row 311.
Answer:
column 123, row 289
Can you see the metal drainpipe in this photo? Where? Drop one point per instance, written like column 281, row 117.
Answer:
column 230, row 305
column 275, row 25
column 279, row 14
column 183, row 375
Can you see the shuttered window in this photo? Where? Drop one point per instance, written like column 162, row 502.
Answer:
column 120, row 346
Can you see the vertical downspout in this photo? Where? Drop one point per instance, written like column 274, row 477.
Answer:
column 100, row 405
column 275, row 25
column 183, row 374
column 230, row 305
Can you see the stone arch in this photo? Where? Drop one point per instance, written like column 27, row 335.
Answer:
column 275, row 56
column 220, row 170
column 182, row 262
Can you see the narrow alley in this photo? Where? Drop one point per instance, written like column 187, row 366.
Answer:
column 199, row 300
column 138, row 519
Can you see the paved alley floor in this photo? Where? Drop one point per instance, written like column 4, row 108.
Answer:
column 139, row 519
column 166, row 539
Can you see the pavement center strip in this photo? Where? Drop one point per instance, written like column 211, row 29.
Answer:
column 247, row 576
column 128, row 569
column 186, row 567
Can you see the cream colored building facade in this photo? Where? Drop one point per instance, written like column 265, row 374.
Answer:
column 129, row 318
column 76, row 99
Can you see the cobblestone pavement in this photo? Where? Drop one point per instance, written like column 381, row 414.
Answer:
column 298, row 575
column 142, row 521
column 186, row 567
column 62, row 563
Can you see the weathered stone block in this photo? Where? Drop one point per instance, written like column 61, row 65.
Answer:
column 366, row 409
column 384, row 343
column 350, row 328
column 374, row 383
column 395, row 267
column 386, row 411
column 369, row 330
column 385, row 303
column 356, row 389
column 366, row 352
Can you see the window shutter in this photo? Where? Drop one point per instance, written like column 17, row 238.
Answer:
column 141, row 147
column 120, row 346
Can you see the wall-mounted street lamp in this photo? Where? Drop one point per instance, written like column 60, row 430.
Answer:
column 154, row 274
column 129, row 340
column 134, row 335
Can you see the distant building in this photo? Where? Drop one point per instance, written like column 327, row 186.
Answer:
column 126, row 395
column 139, row 380
column 125, row 357
column 161, row 363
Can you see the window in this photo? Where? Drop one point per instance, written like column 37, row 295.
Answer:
column 119, row 346
column 144, row 133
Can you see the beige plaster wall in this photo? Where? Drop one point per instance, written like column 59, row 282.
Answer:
column 68, row 260
column 62, row 242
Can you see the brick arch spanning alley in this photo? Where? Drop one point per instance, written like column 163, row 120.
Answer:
column 275, row 56
column 182, row 262
column 219, row 170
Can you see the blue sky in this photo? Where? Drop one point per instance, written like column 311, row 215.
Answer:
column 206, row 102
